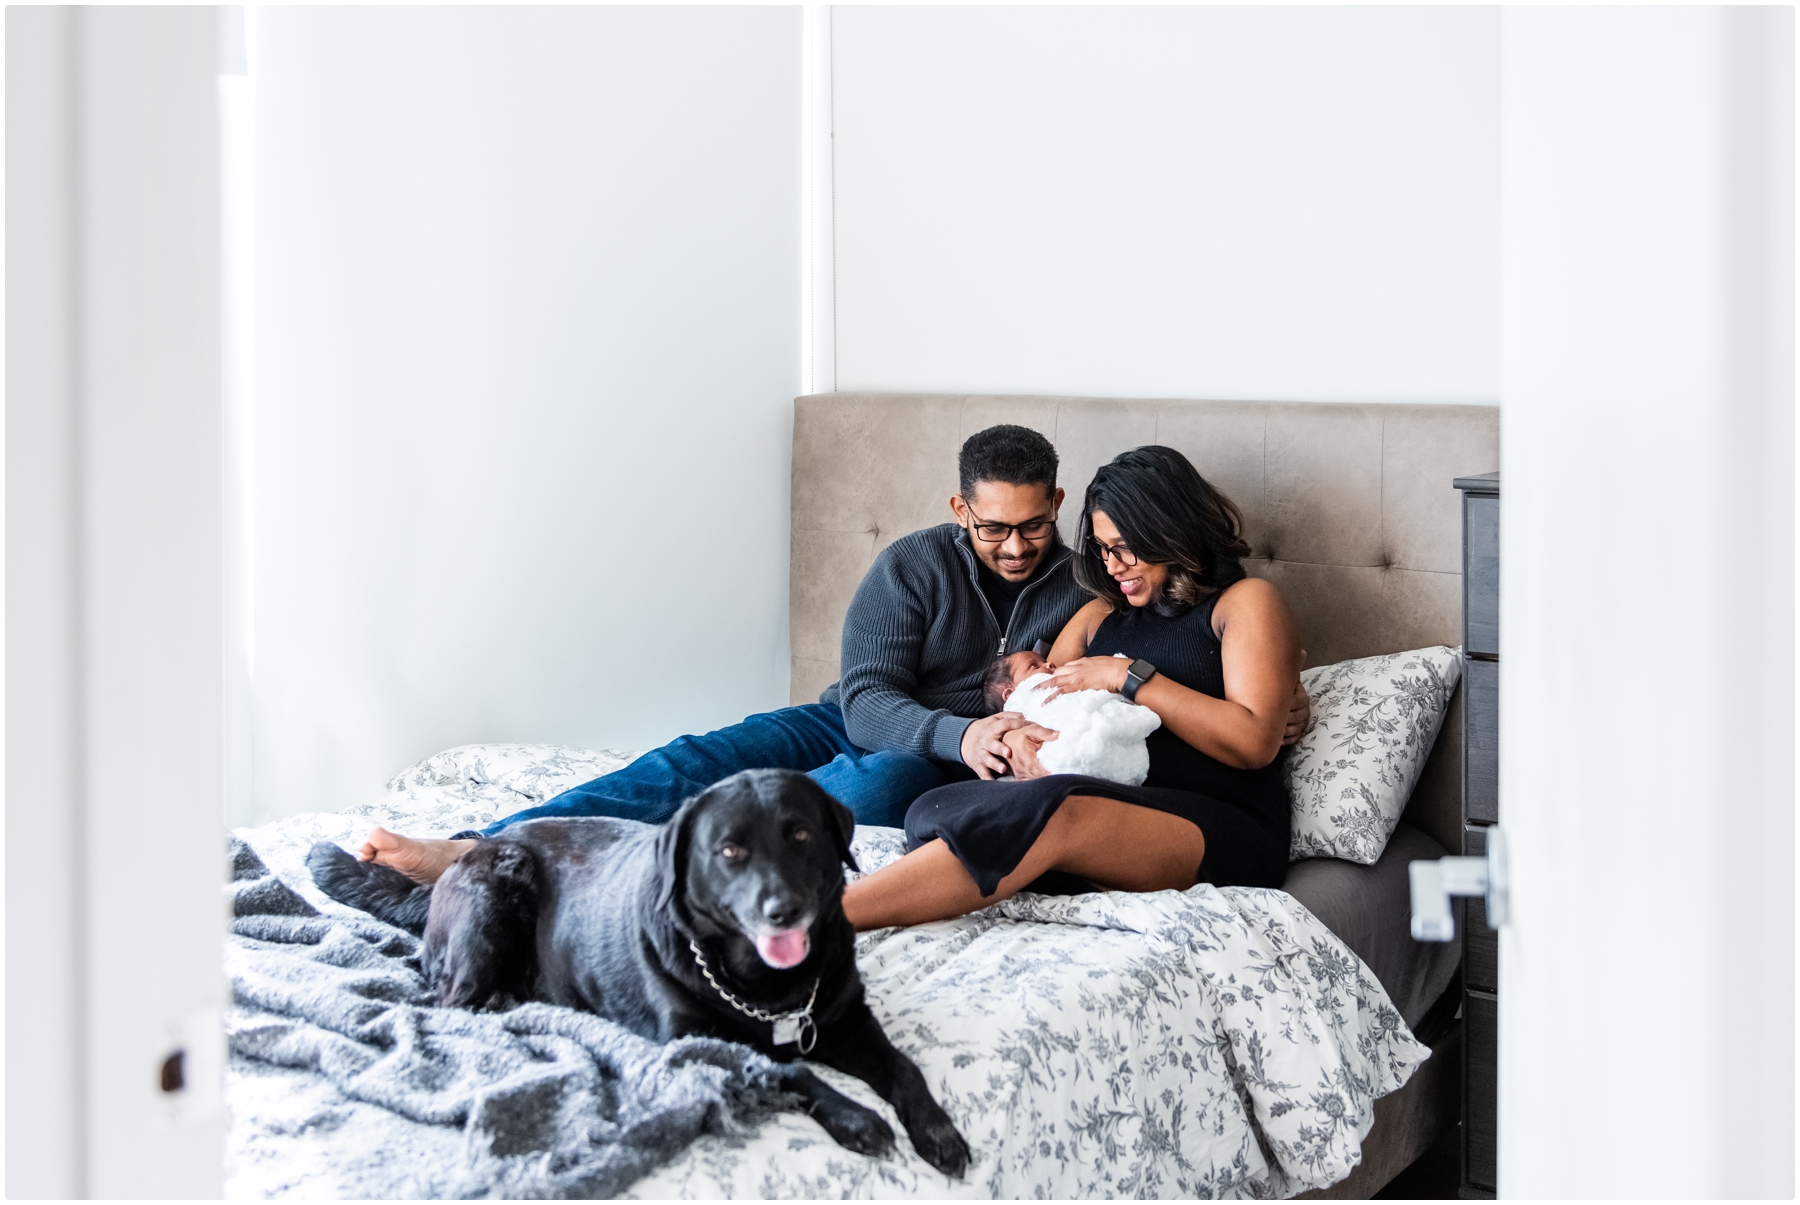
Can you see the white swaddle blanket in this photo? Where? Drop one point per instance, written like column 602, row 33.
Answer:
column 1098, row 732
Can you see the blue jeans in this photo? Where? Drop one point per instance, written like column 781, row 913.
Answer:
column 877, row 787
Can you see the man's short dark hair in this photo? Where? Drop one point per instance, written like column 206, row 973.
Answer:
column 1007, row 453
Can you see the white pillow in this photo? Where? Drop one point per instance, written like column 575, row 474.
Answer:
column 1373, row 723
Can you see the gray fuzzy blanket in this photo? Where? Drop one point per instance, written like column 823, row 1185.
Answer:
column 397, row 1098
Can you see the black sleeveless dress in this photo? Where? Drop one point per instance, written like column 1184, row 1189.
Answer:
column 1243, row 814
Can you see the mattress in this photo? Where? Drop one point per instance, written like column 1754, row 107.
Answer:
column 1370, row 908
column 1208, row 1043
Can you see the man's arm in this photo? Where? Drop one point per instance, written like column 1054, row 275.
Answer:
column 884, row 634
column 1299, row 716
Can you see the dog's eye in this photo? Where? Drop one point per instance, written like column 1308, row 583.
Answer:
column 731, row 851
column 801, row 834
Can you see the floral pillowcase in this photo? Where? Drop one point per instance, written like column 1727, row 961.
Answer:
column 1373, row 724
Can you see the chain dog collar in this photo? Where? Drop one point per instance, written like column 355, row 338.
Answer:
column 797, row 1026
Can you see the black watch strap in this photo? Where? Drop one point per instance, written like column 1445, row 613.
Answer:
column 1141, row 671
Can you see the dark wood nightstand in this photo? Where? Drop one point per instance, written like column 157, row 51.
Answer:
column 1481, row 808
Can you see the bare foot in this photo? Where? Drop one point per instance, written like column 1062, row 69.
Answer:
column 421, row 859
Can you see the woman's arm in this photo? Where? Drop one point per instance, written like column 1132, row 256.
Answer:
column 1072, row 642
column 1261, row 663
column 1261, row 656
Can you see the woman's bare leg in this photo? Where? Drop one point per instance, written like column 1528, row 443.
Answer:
column 421, row 859
column 1117, row 845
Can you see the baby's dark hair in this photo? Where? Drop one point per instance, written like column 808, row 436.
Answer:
column 994, row 681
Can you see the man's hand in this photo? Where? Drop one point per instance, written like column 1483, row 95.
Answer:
column 1298, row 717
column 1022, row 745
column 983, row 749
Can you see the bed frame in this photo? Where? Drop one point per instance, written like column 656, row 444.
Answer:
column 1348, row 508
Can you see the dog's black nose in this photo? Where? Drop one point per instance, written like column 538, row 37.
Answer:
column 782, row 910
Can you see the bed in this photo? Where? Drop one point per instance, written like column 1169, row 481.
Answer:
column 1211, row 1043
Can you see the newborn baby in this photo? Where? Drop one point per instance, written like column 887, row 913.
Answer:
column 1098, row 732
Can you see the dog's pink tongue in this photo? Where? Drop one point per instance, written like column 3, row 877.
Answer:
column 783, row 949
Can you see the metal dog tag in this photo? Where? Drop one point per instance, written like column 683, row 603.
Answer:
column 787, row 1029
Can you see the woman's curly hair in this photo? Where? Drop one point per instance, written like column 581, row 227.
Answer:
column 1168, row 515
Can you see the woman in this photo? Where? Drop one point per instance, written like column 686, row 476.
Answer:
column 1161, row 551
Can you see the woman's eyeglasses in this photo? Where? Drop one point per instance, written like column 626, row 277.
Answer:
column 1117, row 552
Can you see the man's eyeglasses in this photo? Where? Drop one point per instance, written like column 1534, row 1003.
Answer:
column 1118, row 552
column 995, row 533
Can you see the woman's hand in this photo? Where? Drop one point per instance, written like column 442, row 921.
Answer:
column 1022, row 745
column 1087, row 673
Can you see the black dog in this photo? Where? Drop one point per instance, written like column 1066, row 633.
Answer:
column 726, row 921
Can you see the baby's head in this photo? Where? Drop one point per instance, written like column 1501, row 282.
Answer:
column 1004, row 676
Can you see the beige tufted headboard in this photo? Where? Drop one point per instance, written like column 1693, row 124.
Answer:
column 1349, row 509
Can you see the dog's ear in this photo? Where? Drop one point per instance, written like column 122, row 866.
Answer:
column 671, row 852
column 843, row 826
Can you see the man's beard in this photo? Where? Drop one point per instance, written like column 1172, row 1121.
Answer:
column 1027, row 563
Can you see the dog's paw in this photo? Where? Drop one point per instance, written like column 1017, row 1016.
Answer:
column 856, row 1128
column 940, row 1144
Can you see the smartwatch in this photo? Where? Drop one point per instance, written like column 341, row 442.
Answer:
column 1141, row 671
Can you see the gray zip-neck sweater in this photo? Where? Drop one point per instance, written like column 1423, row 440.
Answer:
column 919, row 634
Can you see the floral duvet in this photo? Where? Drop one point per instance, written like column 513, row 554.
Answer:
column 1208, row 1043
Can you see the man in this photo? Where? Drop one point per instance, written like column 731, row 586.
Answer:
column 931, row 614
column 938, row 605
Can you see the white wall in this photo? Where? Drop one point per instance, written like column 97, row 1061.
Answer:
column 1647, row 722
column 527, row 314
column 1260, row 203
column 43, row 814
column 509, row 260
column 114, row 588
